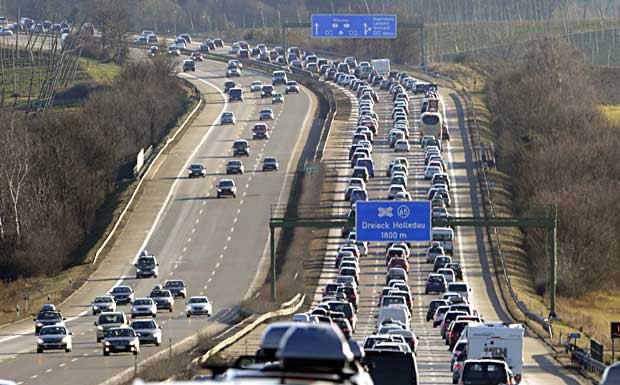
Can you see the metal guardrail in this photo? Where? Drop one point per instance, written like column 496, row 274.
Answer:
column 581, row 358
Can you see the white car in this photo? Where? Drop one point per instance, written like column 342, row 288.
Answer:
column 6, row 32
column 54, row 337
column 401, row 145
column 395, row 189
column 199, row 305
column 256, row 86
column 291, row 86
column 233, row 50
column 143, row 307
column 103, row 303
column 430, row 171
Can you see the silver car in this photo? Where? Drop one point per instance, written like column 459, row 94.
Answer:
column 228, row 118
column 163, row 299
column 148, row 331
column 54, row 337
column 103, row 303
column 266, row 114
column 143, row 307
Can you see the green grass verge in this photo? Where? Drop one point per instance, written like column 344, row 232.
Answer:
column 99, row 71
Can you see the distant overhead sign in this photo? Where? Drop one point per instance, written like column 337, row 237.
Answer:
column 354, row 26
column 393, row 221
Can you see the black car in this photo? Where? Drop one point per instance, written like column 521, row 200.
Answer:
column 147, row 267
column 458, row 270
column 266, row 91
column 228, row 85
column 487, row 372
column 350, row 292
column 433, row 305
column 196, row 170
column 270, row 164
column 388, row 367
column 46, row 318
column 177, row 288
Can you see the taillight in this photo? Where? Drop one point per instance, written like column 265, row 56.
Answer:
column 353, row 296
column 458, row 366
column 518, row 378
column 412, row 340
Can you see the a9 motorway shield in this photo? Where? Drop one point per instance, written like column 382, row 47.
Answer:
column 393, row 221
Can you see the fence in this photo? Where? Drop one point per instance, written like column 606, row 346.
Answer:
column 582, row 359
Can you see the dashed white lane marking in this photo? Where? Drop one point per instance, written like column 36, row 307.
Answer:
column 228, row 239
column 198, row 220
column 48, row 370
column 202, row 293
column 232, row 229
column 208, row 281
column 235, row 220
column 61, row 365
column 34, row 376
column 193, row 230
column 85, row 355
column 20, row 383
column 184, row 248
column 74, row 359
column 189, row 239
column 200, row 212
column 204, row 202
column 225, row 247
column 180, row 257
column 221, row 256
column 241, row 201
column 217, row 265
column 239, row 210
column 213, row 272
column 170, row 273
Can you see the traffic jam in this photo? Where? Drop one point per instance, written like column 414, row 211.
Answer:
column 388, row 112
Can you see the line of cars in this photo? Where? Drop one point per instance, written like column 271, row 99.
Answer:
column 112, row 325
column 260, row 130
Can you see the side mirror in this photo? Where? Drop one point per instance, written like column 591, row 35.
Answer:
column 95, row 323
column 139, row 334
column 34, row 320
column 135, row 264
column 64, row 319
column 70, row 333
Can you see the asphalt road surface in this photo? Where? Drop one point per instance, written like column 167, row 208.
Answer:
column 218, row 246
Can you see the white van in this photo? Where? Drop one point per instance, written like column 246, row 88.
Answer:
column 497, row 340
column 396, row 313
column 461, row 288
column 445, row 236
column 279, row 77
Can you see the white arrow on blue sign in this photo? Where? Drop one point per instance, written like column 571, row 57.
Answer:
column 354, row 26
column 393, row 221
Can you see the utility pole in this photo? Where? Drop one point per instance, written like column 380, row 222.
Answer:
column 552, row 241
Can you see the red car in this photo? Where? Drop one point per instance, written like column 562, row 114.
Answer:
column 399, row 262
column 197, row 56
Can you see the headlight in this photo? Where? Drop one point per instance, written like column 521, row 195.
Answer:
column 132, row 342
column 219, row 190
column 64, row 340
column 40, row 341
column 100, row 327
column 95, row 307
column 139, row 270
column 188, row 308
column 39, row 324
column 106, row 343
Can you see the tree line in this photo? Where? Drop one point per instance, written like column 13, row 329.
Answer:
column 559, row 149
column 57, row 170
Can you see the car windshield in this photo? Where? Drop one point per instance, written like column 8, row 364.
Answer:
column 342, row 307
column 146, row 262
column 143, row 301
column 226, row 183
column 174, row 284
column 198, row 300
column 49, row 315
column 393, row 301
column 121, row 289
column 270, row 160
column 266, row 112
column 110, row 319
column 103, row 300
column 195, row 167
column 160, row 293
column 486, row 373
column 291, row 83
column 435, row 278
column 53, row 330
column 125, row 332
column 442, row 236
column 146, row 324
column 227, row 114
column 234, row 163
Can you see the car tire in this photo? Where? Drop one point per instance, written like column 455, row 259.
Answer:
column 133, row 316
column 234, row 195
column 67, row 350
column 98, row 339
column 188, row 315
column 218, row 195
column 106, row 354
column 157, row 343
column 170, row 310
column 155, row 315
column 39, row 350
column 135, row 352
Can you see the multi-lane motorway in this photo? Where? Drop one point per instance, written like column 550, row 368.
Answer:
column 216, row 245
column 433, row 356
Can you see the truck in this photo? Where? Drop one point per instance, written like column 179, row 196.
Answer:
column 496, row 340
column 382, row 66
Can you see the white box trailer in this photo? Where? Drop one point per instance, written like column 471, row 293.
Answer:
column 497, row 340
column 382, row 66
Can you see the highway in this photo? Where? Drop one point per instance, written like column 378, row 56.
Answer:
column 218, row 246
column 433, row 356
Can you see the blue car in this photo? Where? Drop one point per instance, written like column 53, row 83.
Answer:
column 368, row 164
column 359, row 195
column 435, row 283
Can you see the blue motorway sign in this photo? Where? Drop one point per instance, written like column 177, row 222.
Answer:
column 354, row 26
column 393, row 221
column 574, row 336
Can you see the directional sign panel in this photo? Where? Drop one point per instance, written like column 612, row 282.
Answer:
column 354, row 26
column 393, row 221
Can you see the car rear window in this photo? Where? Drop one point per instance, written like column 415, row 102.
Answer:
column 389, row 368
column 484, row 373
column 458, row 287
